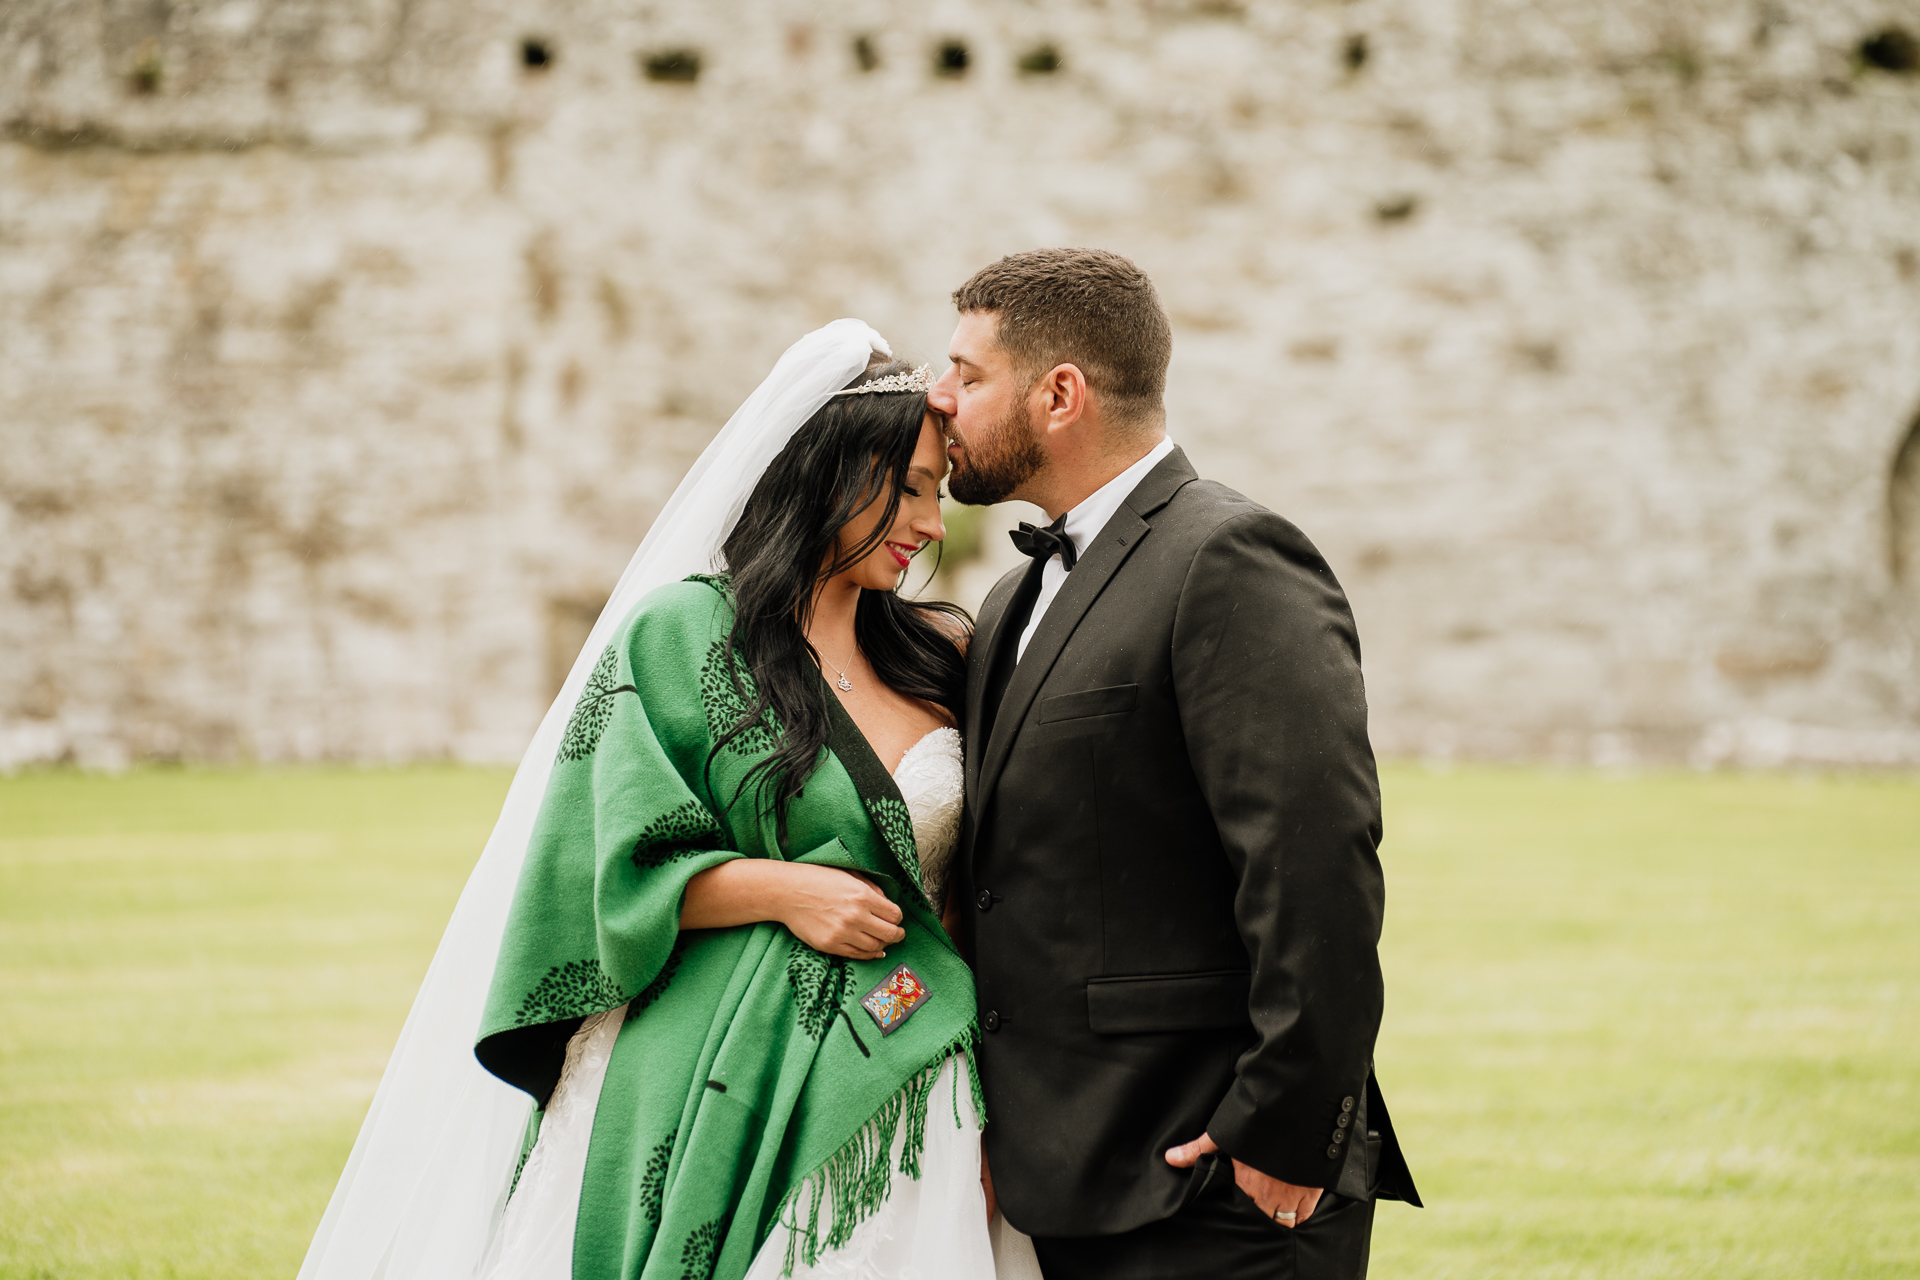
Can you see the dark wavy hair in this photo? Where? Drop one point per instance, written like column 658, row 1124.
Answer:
column 854, row 450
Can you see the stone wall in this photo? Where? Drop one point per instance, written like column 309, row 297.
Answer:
column 347, row 348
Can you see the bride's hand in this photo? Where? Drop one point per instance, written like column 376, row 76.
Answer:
column 839, row 912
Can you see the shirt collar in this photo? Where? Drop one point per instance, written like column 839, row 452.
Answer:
column 1085, row 521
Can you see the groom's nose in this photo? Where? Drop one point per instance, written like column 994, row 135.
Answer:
column 941, row 397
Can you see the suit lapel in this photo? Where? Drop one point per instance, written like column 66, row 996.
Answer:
column 980, row 652
column 1096, row 567
column 1090, row 575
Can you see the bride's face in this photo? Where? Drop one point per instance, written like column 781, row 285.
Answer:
column 915, row 524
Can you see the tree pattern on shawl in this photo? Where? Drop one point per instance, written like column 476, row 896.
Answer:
column 571, row 990
column 702, row 1250
column 655, row 989
column 590, row 715
column 653, row 1182
column 821, row 984
column 894, row 821
column 680, row 832
column 726, row 704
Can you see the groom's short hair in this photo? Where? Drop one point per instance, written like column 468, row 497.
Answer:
column 1085, row 307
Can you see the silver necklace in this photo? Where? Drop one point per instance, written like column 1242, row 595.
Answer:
column 846, row 685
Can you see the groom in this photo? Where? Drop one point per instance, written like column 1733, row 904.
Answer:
column 1168, row 880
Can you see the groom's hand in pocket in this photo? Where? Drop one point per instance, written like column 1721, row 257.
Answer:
column 1270, row 1194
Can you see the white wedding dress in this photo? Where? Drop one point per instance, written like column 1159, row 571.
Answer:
column 934, row 1228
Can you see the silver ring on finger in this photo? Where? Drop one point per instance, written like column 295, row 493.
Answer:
column 1279, row 1216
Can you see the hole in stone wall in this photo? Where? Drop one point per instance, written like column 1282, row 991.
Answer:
column 148, row 69
column 536, row 55
column 1354, row 55
column 865, row 53
column 1893, row 49
column 1537, row 355
column 614, row 303
column 1397, row 208
column 1041, row 60
column 1903, row 508
column 950, row 59
column 672, row 66
column 1683, row 60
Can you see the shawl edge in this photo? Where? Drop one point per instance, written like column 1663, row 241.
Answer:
column 857, row 1179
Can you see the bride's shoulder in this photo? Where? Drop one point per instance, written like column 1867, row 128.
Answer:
column 695, row 611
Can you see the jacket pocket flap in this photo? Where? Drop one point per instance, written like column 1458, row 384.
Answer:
column 1089, row 702
column 1168, row 1002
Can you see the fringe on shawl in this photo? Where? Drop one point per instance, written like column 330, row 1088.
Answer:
column 856, row 1179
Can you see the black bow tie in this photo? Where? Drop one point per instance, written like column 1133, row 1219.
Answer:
column 1031, row 540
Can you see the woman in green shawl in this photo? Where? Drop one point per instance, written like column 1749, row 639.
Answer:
column 724, row 979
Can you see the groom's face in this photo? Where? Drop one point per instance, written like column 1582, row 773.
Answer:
column 994, row 447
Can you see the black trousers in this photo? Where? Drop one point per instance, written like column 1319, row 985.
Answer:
column 1221, row 1235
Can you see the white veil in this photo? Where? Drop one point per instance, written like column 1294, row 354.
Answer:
column 428, row 1177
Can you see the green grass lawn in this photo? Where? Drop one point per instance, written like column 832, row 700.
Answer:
column 1651, row 1026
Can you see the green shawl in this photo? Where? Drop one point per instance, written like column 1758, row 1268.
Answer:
column 748, row 1077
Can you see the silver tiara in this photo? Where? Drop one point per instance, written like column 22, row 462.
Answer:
column 919, row 381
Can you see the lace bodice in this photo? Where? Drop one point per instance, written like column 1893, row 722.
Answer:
column 930, row 781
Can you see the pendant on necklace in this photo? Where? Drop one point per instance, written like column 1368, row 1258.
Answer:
column 845, row 684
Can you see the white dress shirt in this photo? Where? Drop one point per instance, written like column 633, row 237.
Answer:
column 1084, row 524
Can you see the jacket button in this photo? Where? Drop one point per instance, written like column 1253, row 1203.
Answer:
column 1339, row 1136
column 983, row 900
column 1332, row 1152
column 1343, row 1121
column 991, row 1020
column 1346, row 1104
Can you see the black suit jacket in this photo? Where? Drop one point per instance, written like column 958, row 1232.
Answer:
column 1168, row 870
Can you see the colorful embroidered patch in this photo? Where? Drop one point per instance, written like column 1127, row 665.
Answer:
column 894, row 1000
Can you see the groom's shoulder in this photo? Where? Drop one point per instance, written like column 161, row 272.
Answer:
column 1202, row 498
column 1210, row 514
column 1203, row 506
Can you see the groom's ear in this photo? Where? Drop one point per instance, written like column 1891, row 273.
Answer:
column 1062, row 396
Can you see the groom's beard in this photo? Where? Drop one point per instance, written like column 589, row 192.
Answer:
column 995, row 462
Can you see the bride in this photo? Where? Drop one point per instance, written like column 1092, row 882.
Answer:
column 723, row 1030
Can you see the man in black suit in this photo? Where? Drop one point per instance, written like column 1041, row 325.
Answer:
column 1168, row 878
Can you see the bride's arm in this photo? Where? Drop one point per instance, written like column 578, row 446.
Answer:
column 829, row 909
